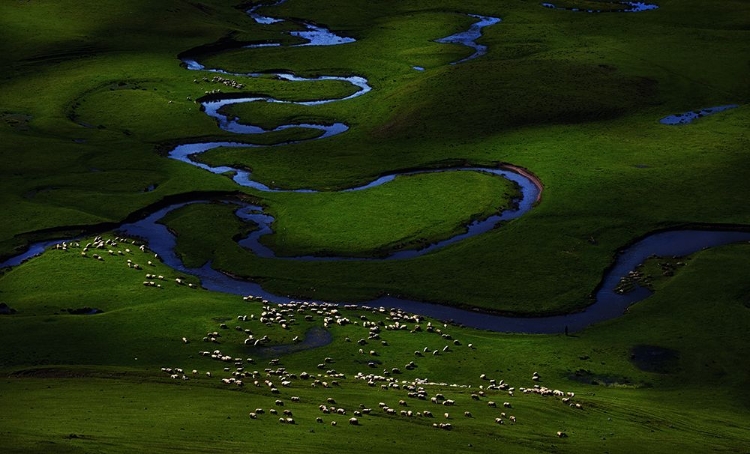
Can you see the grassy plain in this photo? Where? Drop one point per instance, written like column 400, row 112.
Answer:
column 92, row 95
column 414, row 209
column 575, row 98
column 86, row 383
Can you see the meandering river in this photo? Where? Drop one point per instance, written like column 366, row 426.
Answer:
column 315, row 35
column 608, row 304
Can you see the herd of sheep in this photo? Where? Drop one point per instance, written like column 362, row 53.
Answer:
column 416, row 392
column 118, row 247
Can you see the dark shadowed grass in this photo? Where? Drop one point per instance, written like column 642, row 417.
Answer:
column 575, row 98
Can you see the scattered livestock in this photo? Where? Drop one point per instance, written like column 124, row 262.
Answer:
column 416, row 389
column 112, row 247
column 285, row 317
column 221, row 80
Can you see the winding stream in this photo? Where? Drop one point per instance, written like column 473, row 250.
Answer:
column 314, row 36
column 469, row 37
column 630, row 7
column 608, row 304
column 530, row 193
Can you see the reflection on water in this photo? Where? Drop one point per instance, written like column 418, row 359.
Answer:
column 689, row 117
column 608, row 304
column 468, row 38
column 630, row 7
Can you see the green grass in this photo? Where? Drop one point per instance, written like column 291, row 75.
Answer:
column 558, row 93
column 410, row 212
column 102, row 381
column 575, row 98
column 193, row 219
column 105, row 413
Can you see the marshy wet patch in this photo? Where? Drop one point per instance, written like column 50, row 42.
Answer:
column 689, row 117
column 84, row 311
column 17, row 121
column 588, row 377
column 314, row 337
column 652, row 358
